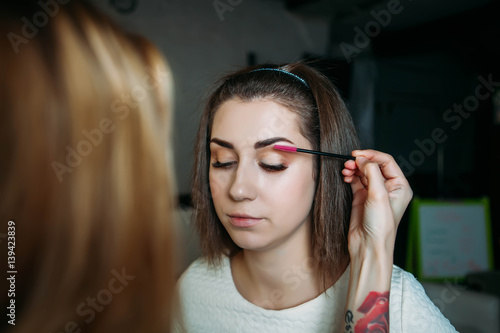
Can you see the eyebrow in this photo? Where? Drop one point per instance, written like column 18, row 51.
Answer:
column 270, row 141
column 257, row 145
column 222, row 143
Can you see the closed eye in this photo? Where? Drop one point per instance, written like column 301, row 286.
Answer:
column 273, row 168
column 225, row 165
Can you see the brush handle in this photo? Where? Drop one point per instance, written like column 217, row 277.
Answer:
column 295, row 149
column 345, row 157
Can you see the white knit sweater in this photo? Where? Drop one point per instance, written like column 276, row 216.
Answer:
column 209, row 302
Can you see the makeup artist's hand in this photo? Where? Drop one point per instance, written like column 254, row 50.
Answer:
column 381, row 195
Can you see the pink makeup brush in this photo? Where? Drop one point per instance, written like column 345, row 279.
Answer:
column 300, row 150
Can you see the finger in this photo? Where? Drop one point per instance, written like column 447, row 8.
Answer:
column 401, row 191
column 348, row 172
column 364, row 181
column 348, row 179
column 356, row 184
column 389, row 167
column 356, row 173
column 373, row 179
column 391, row 171
column 350, row 164
column 394, row 185
column 359, row 173
column 352, row 179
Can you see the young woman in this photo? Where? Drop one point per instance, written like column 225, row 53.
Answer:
column 293, row 242
column 86, row 190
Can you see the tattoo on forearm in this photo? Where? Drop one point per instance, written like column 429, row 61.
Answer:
column 376, row 318
column 349, row 321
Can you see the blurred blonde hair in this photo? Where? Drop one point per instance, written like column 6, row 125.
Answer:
column 87, row 207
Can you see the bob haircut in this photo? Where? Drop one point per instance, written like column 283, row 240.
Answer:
column 323, row 120
column 85, row 173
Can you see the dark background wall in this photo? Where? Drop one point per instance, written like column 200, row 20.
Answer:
column 413, row 72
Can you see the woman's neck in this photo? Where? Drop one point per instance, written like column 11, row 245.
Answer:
column 278, row 278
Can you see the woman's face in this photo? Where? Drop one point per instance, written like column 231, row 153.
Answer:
column 262, row 196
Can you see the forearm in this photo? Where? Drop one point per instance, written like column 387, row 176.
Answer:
column 367, row 303
column 381, row 193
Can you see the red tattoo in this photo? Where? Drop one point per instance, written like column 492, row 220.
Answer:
column 376, row 310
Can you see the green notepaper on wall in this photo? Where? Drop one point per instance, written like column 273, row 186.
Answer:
column 448, row 239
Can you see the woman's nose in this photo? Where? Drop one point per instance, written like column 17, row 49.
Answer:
column 243, row 183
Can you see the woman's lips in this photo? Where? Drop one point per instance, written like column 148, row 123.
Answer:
column 243, row 221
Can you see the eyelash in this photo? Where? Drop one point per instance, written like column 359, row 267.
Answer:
column 273, row 168
column 222, row 165
column 266, row 167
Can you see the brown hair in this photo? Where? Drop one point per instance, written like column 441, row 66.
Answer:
column 323, row 120
column 86, row 175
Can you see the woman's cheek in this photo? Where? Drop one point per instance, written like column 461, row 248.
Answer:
column 298, row 192
column 218, row 181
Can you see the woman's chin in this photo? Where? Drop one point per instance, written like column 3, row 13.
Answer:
column 249, row 243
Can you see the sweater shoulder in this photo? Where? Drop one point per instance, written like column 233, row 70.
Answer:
column 411, row 308
column 201, row 275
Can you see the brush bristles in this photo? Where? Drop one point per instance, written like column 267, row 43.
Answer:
column 285, row 148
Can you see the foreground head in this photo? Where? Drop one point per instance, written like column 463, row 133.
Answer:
column 84, row 174
column 250, row 107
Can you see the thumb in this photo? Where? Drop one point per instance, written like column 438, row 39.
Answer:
column 373, row 178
